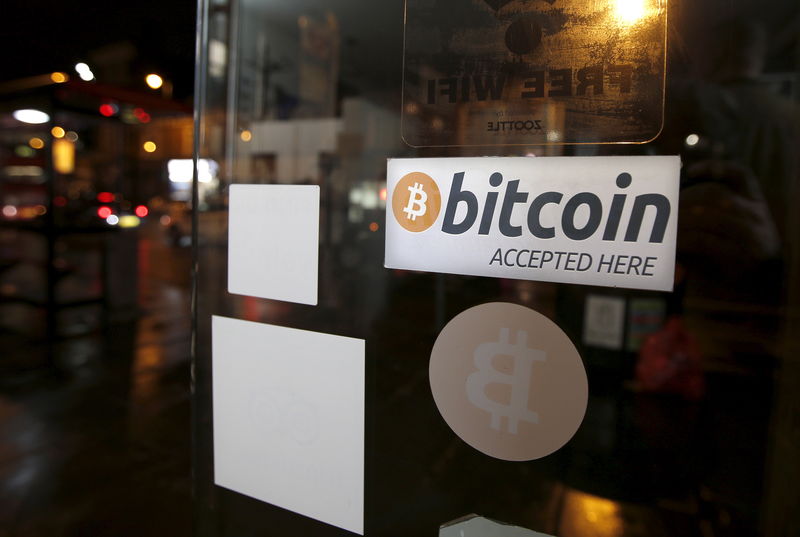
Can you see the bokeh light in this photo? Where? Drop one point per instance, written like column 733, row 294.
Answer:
column 149, row 146
column 31, row 115
column 84, row 72
column 154, row 81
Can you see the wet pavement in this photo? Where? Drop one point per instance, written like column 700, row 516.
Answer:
column 100, row 444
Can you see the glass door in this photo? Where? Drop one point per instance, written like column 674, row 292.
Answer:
column 320, row 394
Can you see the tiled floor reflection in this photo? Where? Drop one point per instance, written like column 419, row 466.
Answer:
column 101, row 445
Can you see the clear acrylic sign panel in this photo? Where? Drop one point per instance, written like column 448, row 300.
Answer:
column 502, row 72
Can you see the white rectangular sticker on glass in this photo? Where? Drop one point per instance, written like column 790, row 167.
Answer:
column 608, row 221
column 273, row 242
column 289, row 419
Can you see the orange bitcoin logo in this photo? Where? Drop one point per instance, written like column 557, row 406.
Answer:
column 416, row 202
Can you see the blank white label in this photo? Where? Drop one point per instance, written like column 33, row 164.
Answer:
column 273, row 242
column 289, row 419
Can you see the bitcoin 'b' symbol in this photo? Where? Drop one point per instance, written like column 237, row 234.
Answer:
column 508, row 381
column 417, row 198
column 520, row 380
column 416, row 202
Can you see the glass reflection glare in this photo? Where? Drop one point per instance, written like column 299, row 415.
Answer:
column 629, row 11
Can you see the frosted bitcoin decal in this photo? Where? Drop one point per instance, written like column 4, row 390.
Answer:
column 496, row 72
column 508, row 381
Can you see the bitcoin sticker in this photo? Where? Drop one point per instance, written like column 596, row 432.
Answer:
column 508, row 381
column 416, row 202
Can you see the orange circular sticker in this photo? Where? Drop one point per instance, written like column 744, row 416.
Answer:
column 508, row 381
column 416, row 201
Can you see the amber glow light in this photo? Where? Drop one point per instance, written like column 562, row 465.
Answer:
column 59, row 77
column 64, row 156
column 149, row 146
column 246, row 135
column 36, row 143
column 630, row 11
column 57, row 132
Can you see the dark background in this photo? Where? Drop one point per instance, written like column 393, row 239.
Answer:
column 42, row 36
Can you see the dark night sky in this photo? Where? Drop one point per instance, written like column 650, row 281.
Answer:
column 40, row 36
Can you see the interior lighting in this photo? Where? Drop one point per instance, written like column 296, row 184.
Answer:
column 181, row 170
column 112, row 219
column 104, row 212
column 72, row 136
column 165, row 220
column 57, row 132
column 153, row 81
column 9, row 211
column 36, row 143
column 373, row 227
column 382, row 194
column 692, row 140
column 31, row 115
column 246, row 135
column 149, row 146
column 628, row 12
column 84, row 72
column 141, row 211
column 58, row 77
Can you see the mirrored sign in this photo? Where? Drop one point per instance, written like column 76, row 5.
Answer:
column 515, row 72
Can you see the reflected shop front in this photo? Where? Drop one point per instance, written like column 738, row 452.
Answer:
column 497, row 268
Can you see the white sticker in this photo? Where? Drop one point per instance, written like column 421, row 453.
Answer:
column 609, row 221
column 273, row 242
column 604, row 321
column 289, row 419
column 478, row 526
